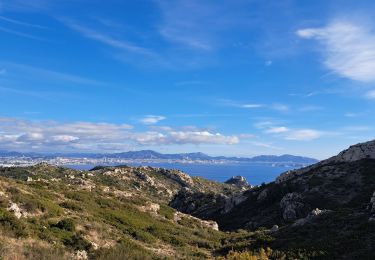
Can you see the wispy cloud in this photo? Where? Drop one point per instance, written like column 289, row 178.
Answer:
column 34, row 94
column 21, row 34
column 349, row 48
column 150, row 119
column 232, row 103
column 199, row 25
column 47, row 74
column 21, row 23
column 106, row 39
column 303, row 135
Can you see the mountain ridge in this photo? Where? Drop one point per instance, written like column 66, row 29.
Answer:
column 150, row 154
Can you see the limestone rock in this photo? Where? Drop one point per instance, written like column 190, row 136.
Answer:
column 151, row 207
column 356, row 152
column 291, row 204
column 17, row 211
column 178, row 176
column 311, row 216
column 204, row 223
column 143, row 176
column 80, row 255
column 238, row 181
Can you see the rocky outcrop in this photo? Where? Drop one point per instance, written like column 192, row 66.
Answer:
column 80, row 255
column 291, row 205
column 150, row 207
column 16, row 210
column 143, row 176
column 356, row 152
column 262, row 195
column 239, row 181
column 207, row 205
column 178, row 216
column 371, row 207
column 310, row 217
column 178, row 176
column 352, row 154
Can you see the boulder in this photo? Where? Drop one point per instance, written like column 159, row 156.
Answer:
column 275, row 228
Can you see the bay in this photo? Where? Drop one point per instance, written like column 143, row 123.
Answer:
column 255, row 173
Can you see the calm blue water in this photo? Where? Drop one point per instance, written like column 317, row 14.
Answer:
column 253, row 172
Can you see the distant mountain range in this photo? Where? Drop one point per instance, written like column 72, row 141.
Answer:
column 152, row 155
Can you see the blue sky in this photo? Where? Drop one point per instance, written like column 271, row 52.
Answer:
column 222, row 77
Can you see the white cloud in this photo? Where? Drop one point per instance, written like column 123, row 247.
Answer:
column 150, row 120
column 19, row 134
column 64, row 138
column 349, row 48
column 277, row 130
column 202, row 137
column 303, row 135
column 252, row 106
column 289, row 133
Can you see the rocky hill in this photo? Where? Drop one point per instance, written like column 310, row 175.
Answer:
column 328, row 206
column 324, row 211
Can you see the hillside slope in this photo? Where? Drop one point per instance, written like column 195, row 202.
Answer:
column 327, row 207
column 49, row 212
column 324, row 211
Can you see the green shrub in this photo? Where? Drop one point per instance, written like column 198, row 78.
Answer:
column 71, row 205
column 10, row 223
column 65, row 224
column 77, row 242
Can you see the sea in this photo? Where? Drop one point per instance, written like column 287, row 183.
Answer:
column 255, row 173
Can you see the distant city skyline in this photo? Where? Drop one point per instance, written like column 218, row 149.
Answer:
column 231, row 78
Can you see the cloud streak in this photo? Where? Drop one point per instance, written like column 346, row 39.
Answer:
column 21, row 34
column 106, row 39
column 48, row 74
column 17, row 22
